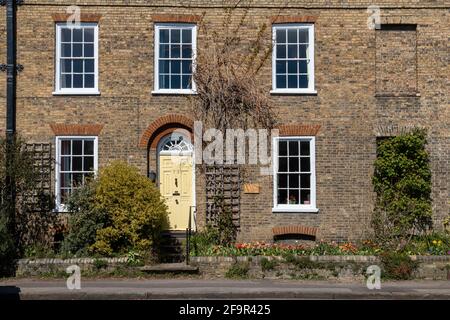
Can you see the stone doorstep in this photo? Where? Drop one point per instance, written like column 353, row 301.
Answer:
column 169, row 267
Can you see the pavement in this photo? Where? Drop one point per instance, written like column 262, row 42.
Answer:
column 144, row 289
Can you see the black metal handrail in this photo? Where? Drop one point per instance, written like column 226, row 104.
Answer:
column 188, row 235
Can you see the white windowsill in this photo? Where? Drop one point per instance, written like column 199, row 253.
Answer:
column 295, row 210
column 292, row 91
column 76, row 93
column 187, row 92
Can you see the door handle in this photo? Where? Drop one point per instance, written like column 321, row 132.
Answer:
column 176, row 193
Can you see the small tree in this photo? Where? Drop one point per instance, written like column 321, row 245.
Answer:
column 402, row 182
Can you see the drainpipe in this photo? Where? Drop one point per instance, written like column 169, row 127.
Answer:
column 11, row 69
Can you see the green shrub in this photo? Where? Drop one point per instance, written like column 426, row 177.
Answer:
column 397, row 266
column 203, row 240
column 402, row 182
column 238, row 271
column 135, row 209
column 267, row 265
column 84, row 220
column 225, row 225
column 7, row 249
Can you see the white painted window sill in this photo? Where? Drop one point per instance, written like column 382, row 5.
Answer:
column 76, row 93
column 174, row 92
column 295, row 210
column 293, row 91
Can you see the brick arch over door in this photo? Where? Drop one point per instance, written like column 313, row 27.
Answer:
column 163, row 126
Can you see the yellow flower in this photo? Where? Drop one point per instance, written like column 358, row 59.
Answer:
column 434, row 241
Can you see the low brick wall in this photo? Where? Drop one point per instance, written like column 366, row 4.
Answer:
column 322, row 267
column 37, row 267
column 338, row 267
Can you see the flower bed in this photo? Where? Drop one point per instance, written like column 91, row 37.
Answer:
column 367, row 247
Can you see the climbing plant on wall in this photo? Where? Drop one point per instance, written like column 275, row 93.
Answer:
column 402, row 182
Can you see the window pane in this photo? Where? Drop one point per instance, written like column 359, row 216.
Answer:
column 65, row 147
column 281, row 66
column 293, row 164
column 303, row 81
column 65, row 180
column 305, row 197
column 303, row 66
column 292, row 51
column 281, row 51
column 89, row 81
column 65, row 164
column 175, row 82
column 304, row 148
column 282, row 164
column 163, row 66
column 175, row 51
column 78, row 81
column 187, row 51
column 175, row 66
column 89, row 35
column 89, row 65
column 89, row 50
column 88, row 164
column 293, row 196
column 77, row 164
column 175, row 36
column 187, row 36
column 164, row 81
column 305, row 181
column 303, row 36
column 66, row 65
column 282, row 148
column 66, row 81
column 282, row 197
column 77, row 35
column 77, row 146
column 88, row 147
column 282, row 180
column 292, row 66
column 77, row 50
column 164, row 51
column 66, row 35
column 187, row 67
column 163, row 36
column 64, row 195
column 292, row 81
column 281, row 81
column 186, row 82
column 292, row 35
column 293, row 148
column 293, row 181
column 281, row 36
column 78, row 66
column 66, row 50
column 302, row 51
column 305, row 164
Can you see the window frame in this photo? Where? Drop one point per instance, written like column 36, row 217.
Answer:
column 75, row 91
column 158, row 27
column 59, row 206
column 311, row 71
column 295, row 208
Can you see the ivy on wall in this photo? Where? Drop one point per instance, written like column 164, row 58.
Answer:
column 402, row 182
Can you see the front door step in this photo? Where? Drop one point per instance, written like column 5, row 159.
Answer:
column 169, row 268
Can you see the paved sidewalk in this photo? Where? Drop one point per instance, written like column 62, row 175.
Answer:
column 220, row 289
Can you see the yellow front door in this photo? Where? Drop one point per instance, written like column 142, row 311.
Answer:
column 175, row 176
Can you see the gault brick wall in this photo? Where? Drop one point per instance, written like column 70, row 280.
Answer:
column 370, row 83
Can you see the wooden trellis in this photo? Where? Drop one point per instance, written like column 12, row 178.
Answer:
column 223, row 181
column 41, row 199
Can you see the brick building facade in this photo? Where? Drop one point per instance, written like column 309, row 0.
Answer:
column 368, row 83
